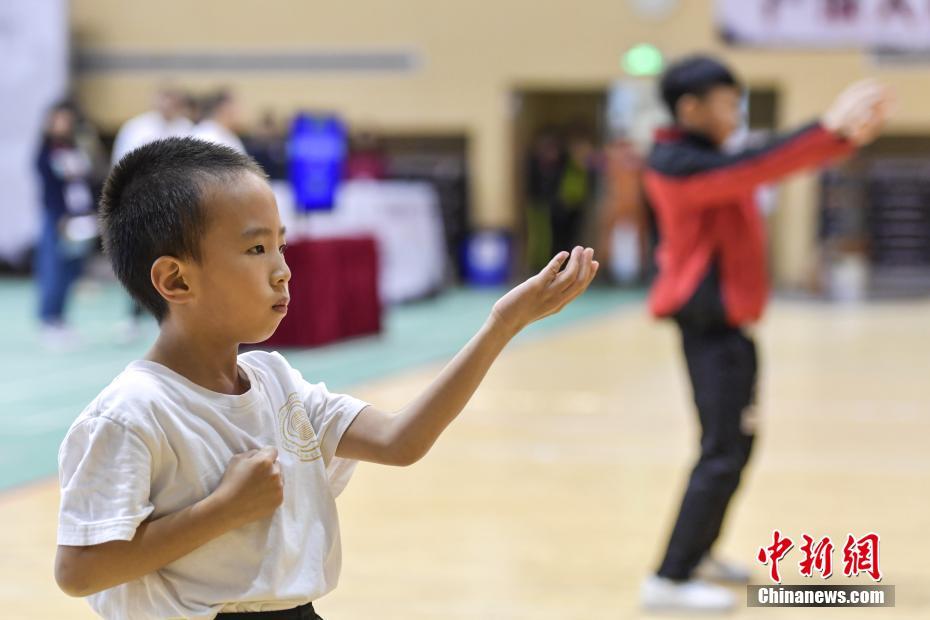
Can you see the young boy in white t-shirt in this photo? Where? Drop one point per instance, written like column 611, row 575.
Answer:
column 200, row 481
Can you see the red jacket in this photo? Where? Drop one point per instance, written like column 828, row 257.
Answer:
column 705, row 207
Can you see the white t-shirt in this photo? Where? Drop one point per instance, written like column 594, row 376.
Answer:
column 211, row 131
column 146, row 128
column 154, row 442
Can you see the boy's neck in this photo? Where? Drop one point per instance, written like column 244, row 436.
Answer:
column 208, row 362
column 695, row 130
column 698, row 131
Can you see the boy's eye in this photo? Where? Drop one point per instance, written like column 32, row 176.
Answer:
column 283, row 249
column 258, row 249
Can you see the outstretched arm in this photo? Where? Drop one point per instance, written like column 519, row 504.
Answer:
column 855, row 118
column 402, row 438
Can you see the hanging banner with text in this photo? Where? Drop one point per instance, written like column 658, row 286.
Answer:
column 870, row 24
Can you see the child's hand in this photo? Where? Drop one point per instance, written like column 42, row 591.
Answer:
column 860, row 111
column 868, row 126
column 547, row 292
column 252, row 487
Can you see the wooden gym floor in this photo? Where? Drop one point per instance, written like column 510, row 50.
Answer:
column 551, row 497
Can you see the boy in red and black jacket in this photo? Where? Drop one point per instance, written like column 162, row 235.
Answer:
column 713, row 281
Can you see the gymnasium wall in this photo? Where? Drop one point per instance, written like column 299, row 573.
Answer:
column 464, row 58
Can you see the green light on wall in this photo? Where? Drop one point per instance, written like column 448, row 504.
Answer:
column 643, row 59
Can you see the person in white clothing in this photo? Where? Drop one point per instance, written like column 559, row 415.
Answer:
column 201, row 483
column 166, row 119
column 220, row 121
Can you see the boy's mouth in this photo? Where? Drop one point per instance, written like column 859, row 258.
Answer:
column 281, row 305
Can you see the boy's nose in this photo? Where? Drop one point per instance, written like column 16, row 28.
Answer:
column 282, row 274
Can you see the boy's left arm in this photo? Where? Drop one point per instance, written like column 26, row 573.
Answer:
column 402, row 438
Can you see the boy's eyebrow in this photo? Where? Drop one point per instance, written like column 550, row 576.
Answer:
column 258, row 232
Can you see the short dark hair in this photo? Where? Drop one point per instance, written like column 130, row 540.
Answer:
column 152, row 206
column 694, row 75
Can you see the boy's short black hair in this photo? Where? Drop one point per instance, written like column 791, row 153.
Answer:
column 152, row 206
column 694, row 75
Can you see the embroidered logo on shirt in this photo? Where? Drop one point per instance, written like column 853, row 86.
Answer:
column 297, row 433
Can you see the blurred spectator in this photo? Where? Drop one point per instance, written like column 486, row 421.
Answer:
column 576, row 192
column 68, row 228
column 166, row 119
column 220, row 121
column 268, row 147
column 623, row 230
column 366, row 159
column 192, row 109
column 87, row 138
column 543, row 172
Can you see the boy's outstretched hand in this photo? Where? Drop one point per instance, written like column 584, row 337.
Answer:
column 403, row 437
column 860, row 111
column 548, row 291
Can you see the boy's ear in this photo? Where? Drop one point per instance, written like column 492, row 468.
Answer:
column 686, row 107
column 168, row 278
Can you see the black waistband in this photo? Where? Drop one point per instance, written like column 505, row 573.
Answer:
column 304, row 612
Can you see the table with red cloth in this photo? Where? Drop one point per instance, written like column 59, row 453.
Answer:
column 334, row 292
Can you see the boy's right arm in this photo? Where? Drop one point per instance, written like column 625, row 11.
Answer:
column 252, row 488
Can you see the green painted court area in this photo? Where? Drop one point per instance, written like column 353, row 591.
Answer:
column 44, row 391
